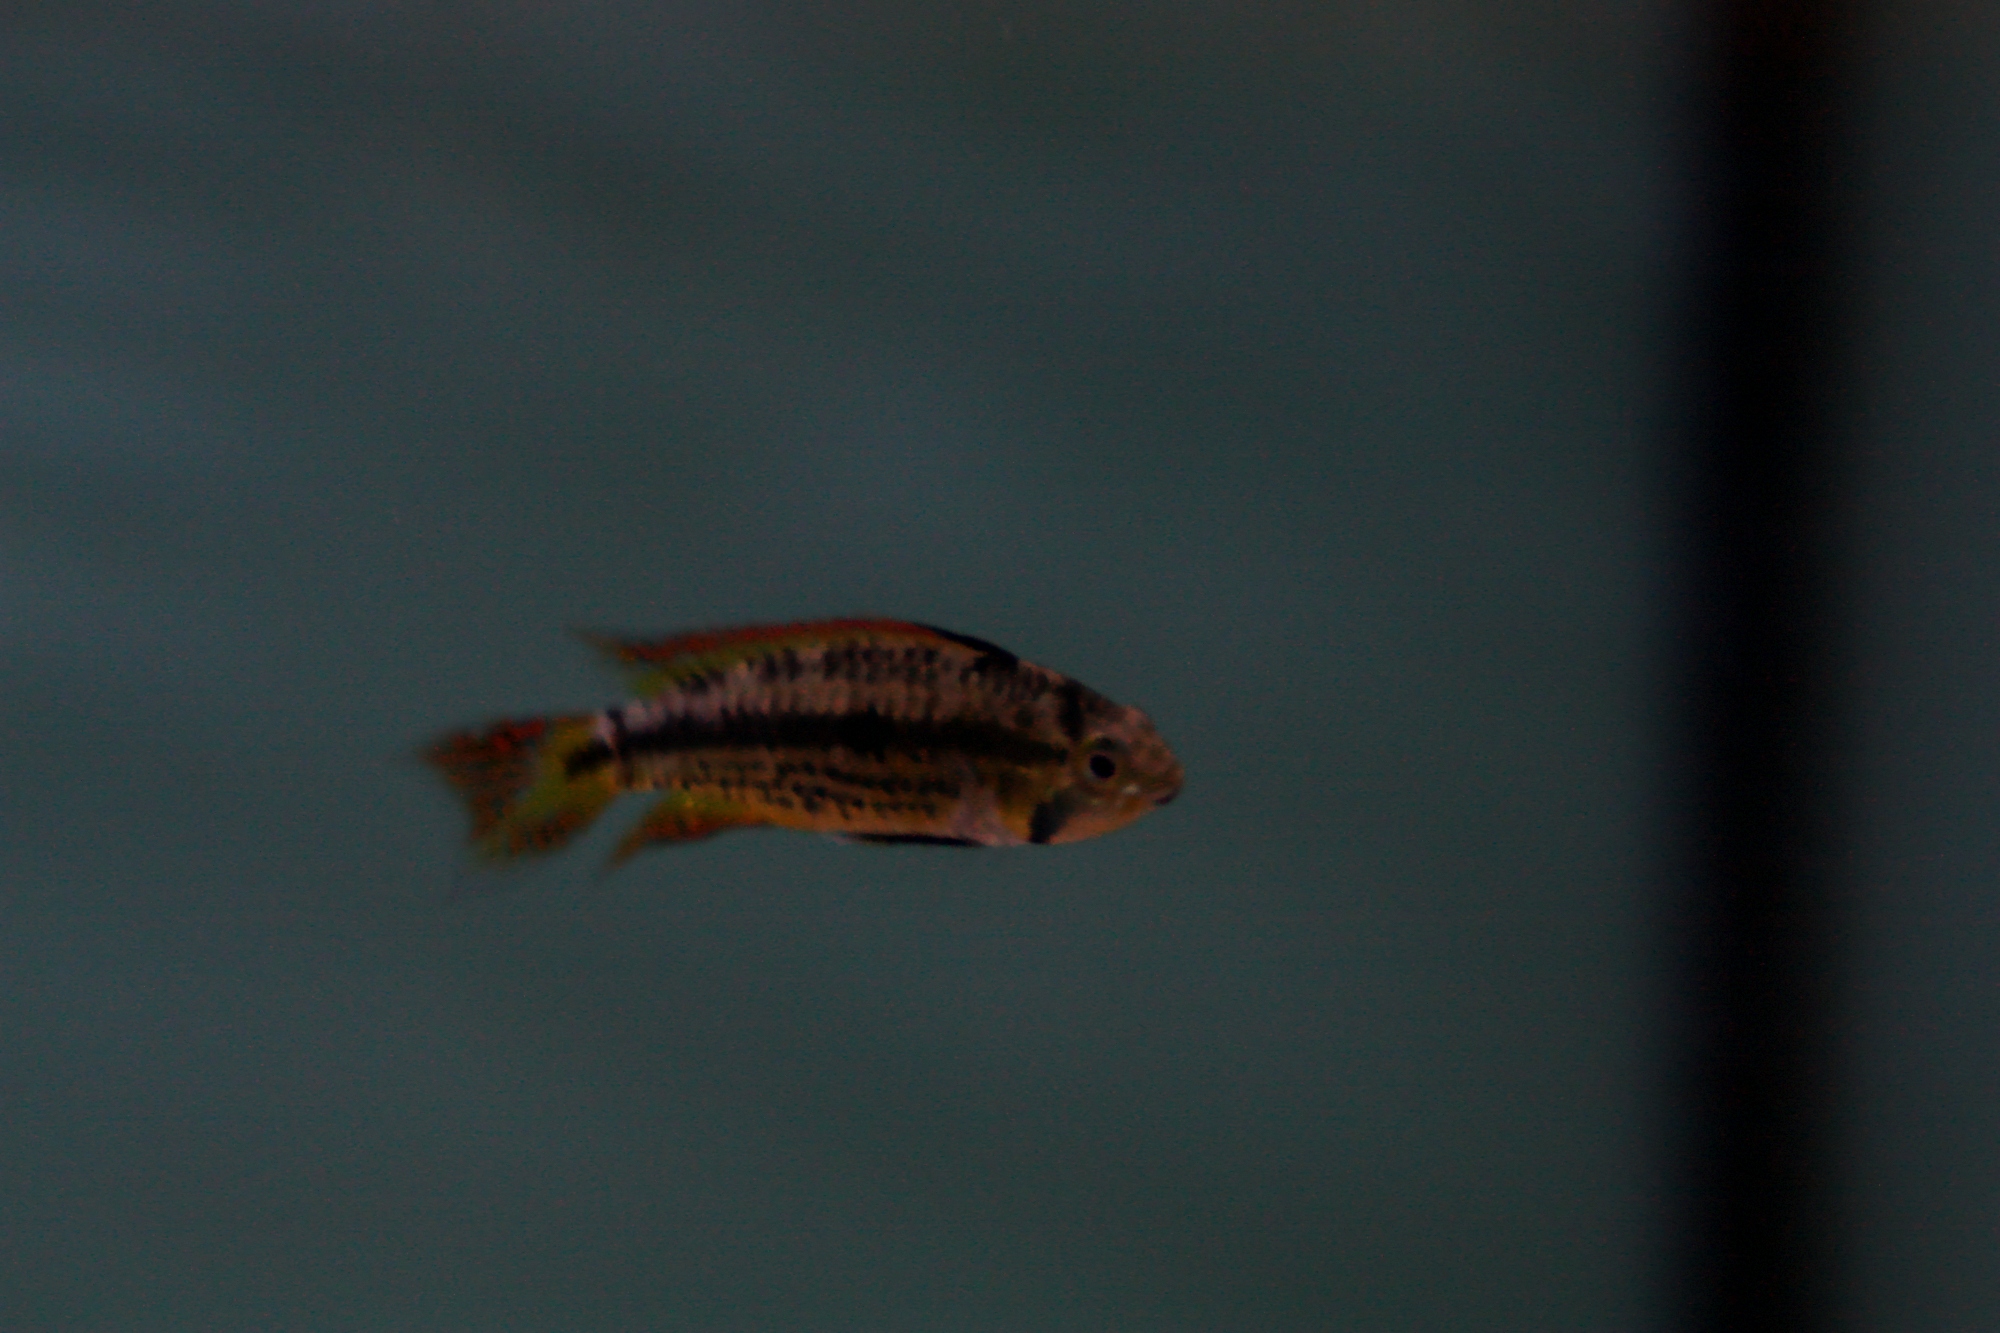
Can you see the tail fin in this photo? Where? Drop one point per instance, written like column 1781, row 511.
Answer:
column 518, row 780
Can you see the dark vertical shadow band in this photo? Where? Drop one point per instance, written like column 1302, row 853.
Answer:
column 1766, row 493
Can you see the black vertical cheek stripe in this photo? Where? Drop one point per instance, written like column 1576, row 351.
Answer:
column 1048, row 820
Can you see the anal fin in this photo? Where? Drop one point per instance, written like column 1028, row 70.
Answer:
column 680, row 817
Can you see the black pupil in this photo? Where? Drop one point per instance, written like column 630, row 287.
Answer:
column 1102, row 766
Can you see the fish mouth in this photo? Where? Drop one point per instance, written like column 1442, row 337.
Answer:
column 1168, row 798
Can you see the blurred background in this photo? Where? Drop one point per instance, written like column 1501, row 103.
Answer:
column 1305, row 375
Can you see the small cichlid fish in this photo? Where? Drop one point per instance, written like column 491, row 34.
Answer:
column 875, row 730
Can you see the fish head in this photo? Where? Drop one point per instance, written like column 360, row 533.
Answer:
column 1120, row 770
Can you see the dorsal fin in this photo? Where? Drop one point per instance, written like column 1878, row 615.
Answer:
column 659, row 664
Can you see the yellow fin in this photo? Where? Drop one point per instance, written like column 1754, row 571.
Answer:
column 683, row 817
column 517, row 781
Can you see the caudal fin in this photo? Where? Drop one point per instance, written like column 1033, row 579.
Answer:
column 517, row 782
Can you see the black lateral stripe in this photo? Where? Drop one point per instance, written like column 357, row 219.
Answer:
column 991, row 655
column 913, row 839
column 589, row 758
column 864, row 732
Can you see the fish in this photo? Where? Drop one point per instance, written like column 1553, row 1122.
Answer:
column 875, row 731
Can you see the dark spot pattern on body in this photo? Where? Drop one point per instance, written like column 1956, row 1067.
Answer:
column 867, row 731
column 894, row 784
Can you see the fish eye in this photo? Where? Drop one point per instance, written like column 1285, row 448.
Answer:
column 1102, row 765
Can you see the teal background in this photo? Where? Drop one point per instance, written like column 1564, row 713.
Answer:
column 1308, row 379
